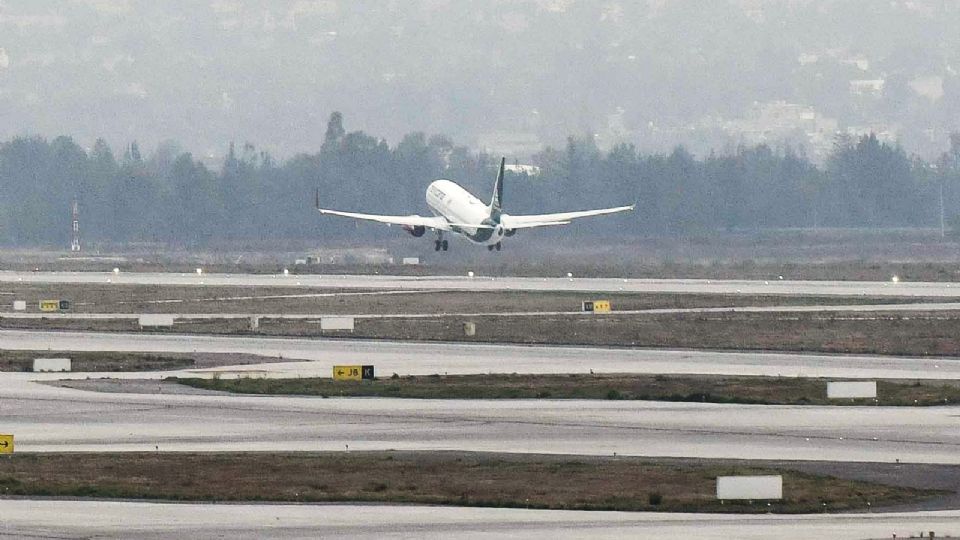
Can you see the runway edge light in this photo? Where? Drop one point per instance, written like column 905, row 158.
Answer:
column 6, row 444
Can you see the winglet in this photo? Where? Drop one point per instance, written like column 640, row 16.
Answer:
column 317, row 202
column 495, row 203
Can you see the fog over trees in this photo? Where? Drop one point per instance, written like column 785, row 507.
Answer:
column 171, row 197
column 505, row 75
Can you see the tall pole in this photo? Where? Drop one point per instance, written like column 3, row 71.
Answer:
column 75, row 238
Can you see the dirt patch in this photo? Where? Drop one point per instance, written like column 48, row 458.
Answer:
column 450, row 478
column 132, row 386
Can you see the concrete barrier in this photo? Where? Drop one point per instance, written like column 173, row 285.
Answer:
column 749, row 487
column 51, row 364
column 336, row 323
column 851, row 389
column 19, row 305
column 412, row 261
column 158, row 319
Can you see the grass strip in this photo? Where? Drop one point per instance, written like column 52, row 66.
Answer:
column 913, row 334
column 691, row 388
column 129, row 298
column 446, row 478
column 95, row 361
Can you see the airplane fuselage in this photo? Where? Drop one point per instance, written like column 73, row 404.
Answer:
column 457, row 205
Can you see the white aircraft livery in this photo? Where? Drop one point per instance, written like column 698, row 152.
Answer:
column 457, row 211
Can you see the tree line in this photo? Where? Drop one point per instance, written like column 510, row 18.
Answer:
column 171, row 197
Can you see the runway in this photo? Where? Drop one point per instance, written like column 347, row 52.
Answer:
column 482, row 283
column 411, row 358
column 55, row 419
column 113, row 519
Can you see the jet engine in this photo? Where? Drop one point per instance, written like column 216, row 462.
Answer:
column 415, row 230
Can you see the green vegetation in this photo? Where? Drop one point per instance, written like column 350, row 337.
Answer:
column 692, row 388
column 448, row 478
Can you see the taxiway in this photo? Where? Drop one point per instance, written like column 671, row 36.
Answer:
column 482, row 283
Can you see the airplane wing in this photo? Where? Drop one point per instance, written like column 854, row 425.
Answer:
column 433, row 222
column 562, row 218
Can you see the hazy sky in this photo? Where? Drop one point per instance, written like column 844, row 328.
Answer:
column 520, row 71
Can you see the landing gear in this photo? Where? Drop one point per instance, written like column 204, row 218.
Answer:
column 440, row 243
column 495, row 246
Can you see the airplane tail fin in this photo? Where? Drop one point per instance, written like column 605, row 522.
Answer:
column 495, row 203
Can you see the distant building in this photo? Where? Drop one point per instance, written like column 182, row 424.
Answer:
column 867, row 87
column 807, row 58
column 519, row 168
column 859, row 61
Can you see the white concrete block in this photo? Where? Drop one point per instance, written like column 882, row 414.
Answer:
column 157, row 319
column 411, row 261
column 749, row 487
column 851, row 389
column 51, row 364
column 336, row 323
column 19, row 305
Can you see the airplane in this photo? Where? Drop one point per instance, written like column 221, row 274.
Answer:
column 457, row 211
